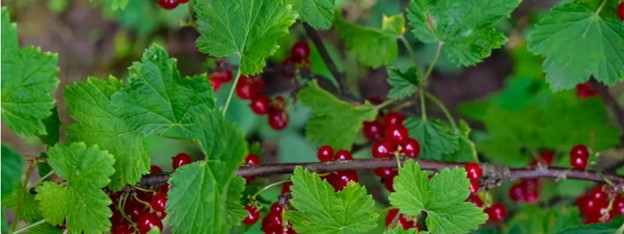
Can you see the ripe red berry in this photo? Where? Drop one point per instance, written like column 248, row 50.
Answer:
column 278, row 119
column 517, row 192
column 273, row 221
column 393, row 118
column 474, row 186
column 300, row 51
column 546, row 158
column 165, row 188
column 325, row 153
column 618, row 205
column 340, row 179
column 134, row 209
column 155, row 169
column 410, row 148
column 384, row 148
column 396, row 133
column 385, row 172
column 389, row 183
column 343, row 155
column 252, row 159
column 475, row 200
column 599, row 196
column 244, row 88
column 585, row 90
column 260, row 104
column 620, row 10
column 215, row 83
column 147, row 221
column 168, row 4
column 496, row 212
column 373, row 130
column 158, row 202
column 586, row 204
column 579, row 156
column 180, row 160
column 253, row 215
column 122, row 228
column 286, row 187
column 473, row 171
column 403, row 220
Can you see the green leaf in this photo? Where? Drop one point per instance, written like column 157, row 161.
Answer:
column 333, row 122
column 601, row 228
column 527, row 115
column 12, row 169
column 204, row 197
column 404, row 83
column 319, row 209
column 466, row 148
column 435, row 138
column 467, row 28
column 535, row 219
column 247, row 28
column 399, row 230
column 373, row 47
column 29, row 209
column 28, row 86
column 442, row 198
column 574, row 29
column 53, row 128
column 80, row 201
column 45, row 228
column 317, row 13
column 158, row 99
column 99, row 123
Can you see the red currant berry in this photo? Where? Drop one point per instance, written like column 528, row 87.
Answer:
column 410, row 148
column 286, row 187
column 148, row 221
column 394, row 118
column 300, row 51
column 546, row 157
column 116, row 219
column 579, row 156
column 325, row 153
column 390, row 216
column 585, row 90
column 474, row 186
column 253, row 215
column 165, row 188
column 384, row 148
column 215, row 83
column 155, row 169
column 184, row 1
column 244, row 88
column 343, row 155
column 375, row 100
column 388, row 183
column 158, row 202
column 340, row 179
column 373, row 130
column 405, row 223
column 618, row 205
column 473, row 171
column 122, row 228
column 396, row 133
column 278, row 119
column 475, row 200
column 168, row 4
column 599, row 196
column 517, row 192
column 620, row 10
column 260, row 104
column 496, row 212
column 385, row 172
column 586, row 204
column 252, row 159
column 180, row 160
column 133, row 209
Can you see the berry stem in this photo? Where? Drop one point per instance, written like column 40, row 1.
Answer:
column 442, row 107
column 32, row 225
column 31, row 168
column 268, row 187
column 600, row 7
column 423, row 108
column 39, row 181
column 229, row 99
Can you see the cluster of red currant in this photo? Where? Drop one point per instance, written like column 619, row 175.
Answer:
column 527, row 190
column 170, row 4
column 597, row 205
column 407, row 222
column 142, row 210
column 299, row 58
column 338, row 179
column 496, row 211
column 220, row 74
column 252, row 88
column 272, row 222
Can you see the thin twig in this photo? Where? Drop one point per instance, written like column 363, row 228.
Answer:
column 31, row 168
column 154, row 180
column 320, row 46
column 38, row 159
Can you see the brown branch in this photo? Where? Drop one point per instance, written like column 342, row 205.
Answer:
column 320, row 46
column 491, row 172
